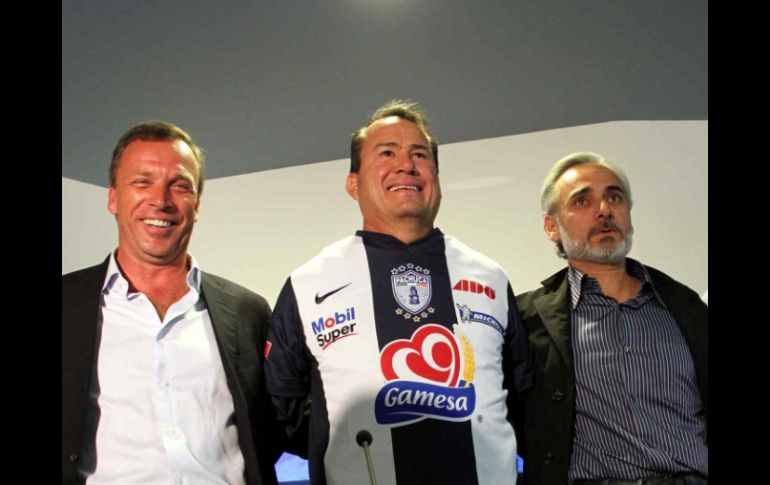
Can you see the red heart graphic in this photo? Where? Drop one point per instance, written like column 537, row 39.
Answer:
column 430, row 355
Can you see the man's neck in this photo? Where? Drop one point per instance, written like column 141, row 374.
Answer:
column 613, row 278
column 163, row 284
column 407, row 231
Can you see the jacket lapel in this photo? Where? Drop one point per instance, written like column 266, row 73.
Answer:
column 81, row 307
column 553, row 308
column 219, row 304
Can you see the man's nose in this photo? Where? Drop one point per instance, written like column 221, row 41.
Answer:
column 405, row 163
column 160, row 197
column 604, row 210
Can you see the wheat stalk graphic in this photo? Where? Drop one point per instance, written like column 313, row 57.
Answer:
column 469, row 366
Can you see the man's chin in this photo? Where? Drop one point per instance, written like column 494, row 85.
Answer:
column 413, row 212
column 610, row 256
column 604, row 255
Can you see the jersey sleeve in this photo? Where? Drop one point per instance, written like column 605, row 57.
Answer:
column 287, row 371
column 287, row 359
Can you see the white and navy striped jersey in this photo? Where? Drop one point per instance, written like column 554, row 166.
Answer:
column 419, row 344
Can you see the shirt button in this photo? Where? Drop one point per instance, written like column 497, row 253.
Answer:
column 163, row 383
column 547, row 458
column 73, row 457
column 171, row 433
column 627, row 348
column 558, row 395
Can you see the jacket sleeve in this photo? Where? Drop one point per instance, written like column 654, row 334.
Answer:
column 517, row 366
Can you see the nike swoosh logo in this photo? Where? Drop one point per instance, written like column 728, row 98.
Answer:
column 320, row 298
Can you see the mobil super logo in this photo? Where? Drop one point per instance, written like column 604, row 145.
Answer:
column 330, row 329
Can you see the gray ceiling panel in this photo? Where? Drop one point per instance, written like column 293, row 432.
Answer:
column 271, row 84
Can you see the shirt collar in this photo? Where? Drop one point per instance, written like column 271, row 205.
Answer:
column 637, row 269
column 433, row 240
column 580, row 282
column 576, row 277
column 115, row 281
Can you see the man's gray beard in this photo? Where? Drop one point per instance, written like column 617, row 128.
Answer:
column 583, row 251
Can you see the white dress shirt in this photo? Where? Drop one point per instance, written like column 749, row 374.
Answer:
column 167, row 415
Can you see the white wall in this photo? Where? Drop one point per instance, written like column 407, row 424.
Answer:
column 255, row 229
column 88, row 231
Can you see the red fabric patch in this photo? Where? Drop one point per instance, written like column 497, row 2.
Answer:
column 267, row 348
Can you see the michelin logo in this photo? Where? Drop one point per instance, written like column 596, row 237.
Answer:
column 467, row 315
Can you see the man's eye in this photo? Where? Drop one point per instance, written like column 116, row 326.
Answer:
column 616, row 198
column 387, row 153
column 420, row 155
column 581, row 202
column 182, row 186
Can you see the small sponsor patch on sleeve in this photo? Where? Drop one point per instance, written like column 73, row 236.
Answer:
column 268, row 345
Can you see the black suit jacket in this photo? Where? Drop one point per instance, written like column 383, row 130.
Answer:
column 239, row 318
column 549, row 406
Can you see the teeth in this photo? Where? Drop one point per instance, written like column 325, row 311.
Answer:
column 403, row 187
column 157, row 223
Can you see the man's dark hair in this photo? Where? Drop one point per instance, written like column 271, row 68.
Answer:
column 156, row 130
column 403, row 109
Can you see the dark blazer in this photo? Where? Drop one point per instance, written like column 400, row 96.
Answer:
column 549, row 406
column 239, row 317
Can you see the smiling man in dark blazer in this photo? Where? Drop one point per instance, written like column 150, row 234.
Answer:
column 161, row 362
column 620, row 349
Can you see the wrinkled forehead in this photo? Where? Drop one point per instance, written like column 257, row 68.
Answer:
column 175, row 152
column 587, row 178
column 393, row 126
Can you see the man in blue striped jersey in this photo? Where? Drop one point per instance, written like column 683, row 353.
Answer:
column 399, row 332
column 619, row 349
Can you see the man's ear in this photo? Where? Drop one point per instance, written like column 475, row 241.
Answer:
column 351, row 185
column 550, row 228
column 112, row 201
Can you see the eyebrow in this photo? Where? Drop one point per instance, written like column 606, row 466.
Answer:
column 393, row 144
column 181, row 175
column 142, row 173
column 585, row 190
